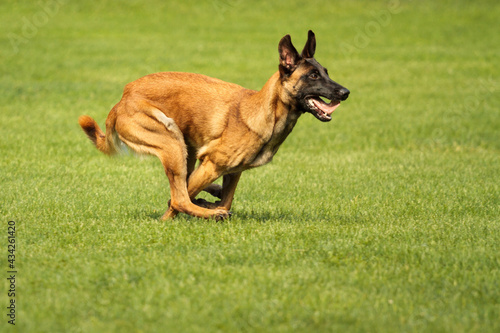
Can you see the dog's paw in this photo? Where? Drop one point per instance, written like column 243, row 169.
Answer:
column 222, row 214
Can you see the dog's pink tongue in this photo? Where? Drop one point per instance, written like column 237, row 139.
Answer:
column 326, row 108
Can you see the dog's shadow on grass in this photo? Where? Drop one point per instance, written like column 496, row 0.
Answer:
column 237, row 216
column 284, row 216
column 272, row 216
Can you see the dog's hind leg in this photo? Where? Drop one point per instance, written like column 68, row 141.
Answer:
column 149, row 131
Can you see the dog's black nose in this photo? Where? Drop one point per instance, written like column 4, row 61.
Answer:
column 344, row 93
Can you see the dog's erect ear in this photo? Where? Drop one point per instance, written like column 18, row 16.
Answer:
column 310, row 48
column 289, row 57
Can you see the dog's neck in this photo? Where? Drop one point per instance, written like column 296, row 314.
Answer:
column 266, row 114
column 269, row 115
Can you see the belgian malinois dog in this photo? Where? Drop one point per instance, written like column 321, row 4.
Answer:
column 181, row 118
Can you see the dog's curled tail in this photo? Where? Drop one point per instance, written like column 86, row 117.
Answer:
column 103, row 142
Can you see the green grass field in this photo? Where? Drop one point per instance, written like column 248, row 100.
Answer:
column 386, row 219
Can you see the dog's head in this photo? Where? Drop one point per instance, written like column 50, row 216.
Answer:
column 306, row 82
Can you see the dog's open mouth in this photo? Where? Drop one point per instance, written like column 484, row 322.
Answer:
column 321, row 109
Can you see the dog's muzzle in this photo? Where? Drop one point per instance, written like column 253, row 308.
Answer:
column 323, row 110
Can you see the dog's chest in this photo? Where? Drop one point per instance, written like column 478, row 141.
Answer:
column 282, row 128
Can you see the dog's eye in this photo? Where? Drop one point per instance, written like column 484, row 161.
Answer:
column 314, row 76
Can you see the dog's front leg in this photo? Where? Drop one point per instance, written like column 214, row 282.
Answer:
column 224, row 192
column 229, row 183
column 201, row 178
column 182, row 194
column 214, row 190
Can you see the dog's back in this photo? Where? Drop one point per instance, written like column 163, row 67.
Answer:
column 198, row 104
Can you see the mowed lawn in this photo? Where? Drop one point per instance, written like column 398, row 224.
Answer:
column 386, row 219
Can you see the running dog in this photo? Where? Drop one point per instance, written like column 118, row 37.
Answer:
column 182, row 118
